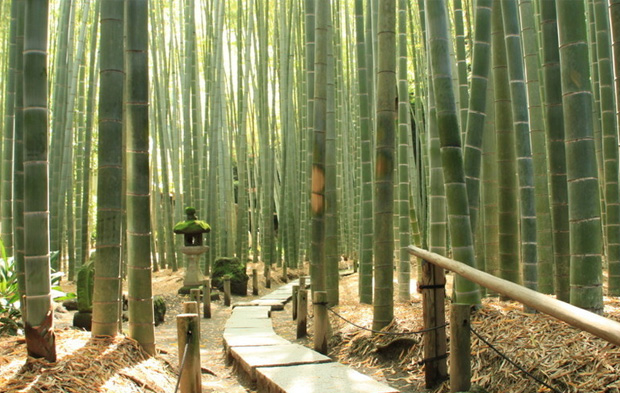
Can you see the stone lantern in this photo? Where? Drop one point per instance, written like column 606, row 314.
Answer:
column 192, row 229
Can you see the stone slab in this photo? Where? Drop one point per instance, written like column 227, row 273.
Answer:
column 242, row 322
column 239, row 338
column 249, row 358
column 275, row 305
column 251, row 312
column 317, row 378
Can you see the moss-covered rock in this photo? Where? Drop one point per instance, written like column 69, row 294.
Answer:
column 159, row 309
column 234, row 269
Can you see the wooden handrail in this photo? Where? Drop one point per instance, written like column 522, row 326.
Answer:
column 595, row 324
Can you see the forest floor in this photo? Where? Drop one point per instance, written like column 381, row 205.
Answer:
column 563, row 357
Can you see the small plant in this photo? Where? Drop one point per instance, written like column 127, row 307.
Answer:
column 10, row 313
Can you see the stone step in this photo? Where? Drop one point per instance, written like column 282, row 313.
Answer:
column 242, row 322
column 250, row 358
column 250, row 337
column 317, row 378
column 251, row 312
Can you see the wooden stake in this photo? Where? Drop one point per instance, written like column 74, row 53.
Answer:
column 255, row 282
column 206, row 305
column 188, row 336
column 194, row 295
column 294, row 300
column 432, row 286
column 302, row 313
column 268, row 276
column 227, row 291
column 321, row 322
column 190, row 307
column 460, row 348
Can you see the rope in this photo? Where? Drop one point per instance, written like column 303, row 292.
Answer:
column 386, row 333
column 524, row 371
column 189, row 335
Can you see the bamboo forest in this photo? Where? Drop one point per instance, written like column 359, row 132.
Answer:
column 365, row 196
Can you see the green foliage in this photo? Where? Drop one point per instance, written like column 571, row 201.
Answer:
column 235, row 270
column 10, row 313
column 191, row 227
column 85, row 286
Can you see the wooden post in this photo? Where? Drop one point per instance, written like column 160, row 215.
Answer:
column 194, row 295
column 188, row 336
column 321, row 321
column 190, row 307
column 302, row 313
column 206, row 293
column 227, row 291
column 284, row 271
column 268, row 276
column 294, row 300
column 460, row 352
column 255, row 282
column 302, row 282
column 432, row 286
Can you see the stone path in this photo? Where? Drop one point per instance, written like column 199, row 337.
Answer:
column 278, row 366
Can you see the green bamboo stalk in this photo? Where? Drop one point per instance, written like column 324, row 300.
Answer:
column 523, row 147
column 451, row 154
column 404, row 267
column 332, row 205
column 461, row 62
column 490, row 191
column 18, row 162
column 539, row 153
column 317, row 202
column 6, row 213
column 383, row 247
column 59, row 103
column 610, row 146
column 506, row 159
column 106, row 295
column 554, row 128
column 477, row 106
column 39, row 319
column 366, row 215
column 586, row 289
column 138, row 178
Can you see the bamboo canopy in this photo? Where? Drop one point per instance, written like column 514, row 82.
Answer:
column 585, row 320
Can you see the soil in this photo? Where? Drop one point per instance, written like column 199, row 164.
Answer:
column 567, row 359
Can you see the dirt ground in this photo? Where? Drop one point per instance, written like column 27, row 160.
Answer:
column 565, row 358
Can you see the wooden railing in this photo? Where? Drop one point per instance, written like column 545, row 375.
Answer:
column 595, row 324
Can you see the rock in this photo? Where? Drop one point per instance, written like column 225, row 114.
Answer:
column 70, row 304
column 236, row 270
column 83, row 320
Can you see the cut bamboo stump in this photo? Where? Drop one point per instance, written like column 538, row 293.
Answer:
column 194, row 295
column 188, row 336
column 255, row 282
column 206, row 305
column 321, row 321
column 302, row 282
column 294, row 300
column 460, row 358
column 302, row 313
column 227, row 291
